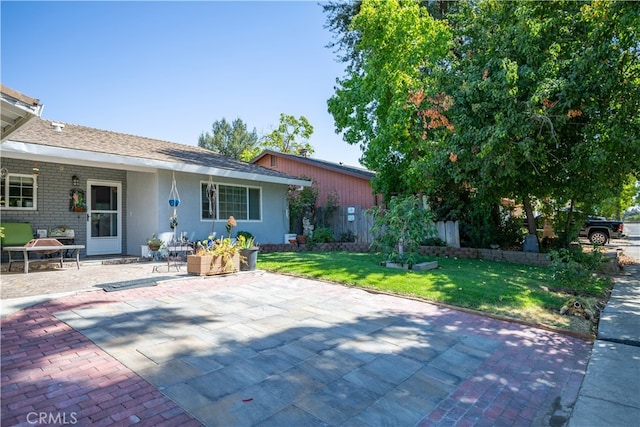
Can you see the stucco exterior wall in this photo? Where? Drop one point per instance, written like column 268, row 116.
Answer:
column 150, row 211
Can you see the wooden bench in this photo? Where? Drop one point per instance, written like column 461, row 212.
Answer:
column 18, row 237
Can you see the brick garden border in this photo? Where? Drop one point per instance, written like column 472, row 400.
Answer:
column 528, row 258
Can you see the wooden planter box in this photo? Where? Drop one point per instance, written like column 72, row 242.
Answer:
column 218, row 266
column 199, row 265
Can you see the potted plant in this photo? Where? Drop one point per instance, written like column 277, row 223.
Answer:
column 154, row 243
column 248, row 251
column 200, row 262
column 214, row 257
column 226, row 256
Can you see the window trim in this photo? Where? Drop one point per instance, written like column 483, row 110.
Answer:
column 217, row 204
column 7, row 180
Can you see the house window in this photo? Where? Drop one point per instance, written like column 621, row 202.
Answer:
column 274, row 161
column 243, row 203
column 18, row 191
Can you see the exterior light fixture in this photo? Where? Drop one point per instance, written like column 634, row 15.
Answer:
column 75, row 180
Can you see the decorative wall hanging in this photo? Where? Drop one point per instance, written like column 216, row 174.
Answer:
column 77, row 201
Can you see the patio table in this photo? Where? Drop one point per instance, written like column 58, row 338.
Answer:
column 42, row 246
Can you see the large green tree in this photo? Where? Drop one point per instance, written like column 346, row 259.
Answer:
column 231, row 139
column 547, row 97
column 533, row 101
column 395, row 44
column 291, row 136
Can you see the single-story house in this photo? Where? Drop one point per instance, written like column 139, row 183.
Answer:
column 351, row 184
column 113, row 189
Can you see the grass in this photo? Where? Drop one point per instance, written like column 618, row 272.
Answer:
column 512, row 290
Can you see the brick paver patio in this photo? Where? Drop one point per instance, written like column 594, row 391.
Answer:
column 264, row 349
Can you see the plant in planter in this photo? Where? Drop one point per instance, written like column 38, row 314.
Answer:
column 214, row 257
column 248, row 251
column 226, row 256
column 154, row 242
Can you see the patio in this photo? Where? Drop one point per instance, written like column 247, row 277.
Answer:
column 265, row 349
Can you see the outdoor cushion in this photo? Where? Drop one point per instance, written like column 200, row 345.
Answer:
column 16, row 233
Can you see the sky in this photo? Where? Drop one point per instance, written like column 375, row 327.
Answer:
column 169, row 70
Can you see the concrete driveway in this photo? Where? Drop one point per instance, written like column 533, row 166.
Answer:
column 265, row 349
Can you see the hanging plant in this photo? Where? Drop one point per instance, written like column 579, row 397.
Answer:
column 174, row 197
column 173, row 221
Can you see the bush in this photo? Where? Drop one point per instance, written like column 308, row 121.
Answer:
column 400, row 228
column 347, row 236
column 322, row 235
column 434, row 241
column 576, row 271
column 246, row 235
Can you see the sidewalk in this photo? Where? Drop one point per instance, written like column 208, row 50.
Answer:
column 610, row 392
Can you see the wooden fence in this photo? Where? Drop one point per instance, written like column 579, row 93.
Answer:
column 343, row 220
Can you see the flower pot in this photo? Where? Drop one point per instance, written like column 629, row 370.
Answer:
column 250, row 256
column 220, row 266
column 199, row 265
column 174, row 203
column 154, row 247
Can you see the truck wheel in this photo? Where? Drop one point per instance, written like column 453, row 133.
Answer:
column 598, row 238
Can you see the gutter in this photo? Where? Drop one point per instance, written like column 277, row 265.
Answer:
column 35, row 152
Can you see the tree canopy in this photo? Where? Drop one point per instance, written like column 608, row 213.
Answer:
column 231, row 139
column 534, row 101
column 291, row 135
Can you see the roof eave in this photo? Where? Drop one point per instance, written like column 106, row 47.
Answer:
column 37, row 152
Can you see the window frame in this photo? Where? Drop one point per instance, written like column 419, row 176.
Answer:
column 216, row 208
column 6, row 185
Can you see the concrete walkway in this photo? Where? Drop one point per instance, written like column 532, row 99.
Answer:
column 610, row 393
column 270, row 350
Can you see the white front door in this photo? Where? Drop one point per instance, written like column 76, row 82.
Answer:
column 104, row 217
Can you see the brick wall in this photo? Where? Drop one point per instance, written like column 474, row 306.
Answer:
column 54, row 188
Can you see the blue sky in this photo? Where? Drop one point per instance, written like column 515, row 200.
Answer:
column 168, row 70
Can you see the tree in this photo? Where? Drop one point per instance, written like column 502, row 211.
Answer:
column 395, row 43
column 231, row 140
column 543, row 97
column 547, row 100
column 290, row 135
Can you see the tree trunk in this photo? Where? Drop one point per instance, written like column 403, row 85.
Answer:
column 531, row 243
column 532, row 228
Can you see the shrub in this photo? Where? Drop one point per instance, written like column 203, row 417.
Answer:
column 434, row 241
column 347, row 236
column 322, row 235
column 247, row 235
column 401, row 228
column 576, row 271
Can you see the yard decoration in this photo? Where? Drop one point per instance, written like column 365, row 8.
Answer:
column 78, row 202
column 574, row 307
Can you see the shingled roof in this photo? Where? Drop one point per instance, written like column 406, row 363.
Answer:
column 160, row 154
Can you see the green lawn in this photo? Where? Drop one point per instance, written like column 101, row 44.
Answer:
column 513, row 290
